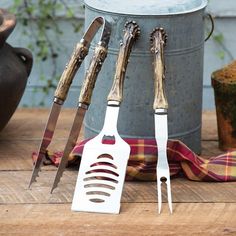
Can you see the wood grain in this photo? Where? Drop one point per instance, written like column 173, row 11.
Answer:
column 28, row 124
column 210, row 149
column 158, row 37
column 92, row 72
column 17, row 155
column 131, row 33
column 134, row 219
column 209, row 126
column 14, row 190
column 77, row 57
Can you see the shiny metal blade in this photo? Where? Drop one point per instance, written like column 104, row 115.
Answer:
column 159, row 196
column 95, row 151
column 169, row 197
column 161, row 130
column 46, row 140
column 93, row 29
column 73, row 136
column 163, row 172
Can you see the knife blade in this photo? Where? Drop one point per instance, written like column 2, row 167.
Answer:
column 77, row 57
column 96, row 62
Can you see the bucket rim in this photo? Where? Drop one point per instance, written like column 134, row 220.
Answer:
column 203, row 5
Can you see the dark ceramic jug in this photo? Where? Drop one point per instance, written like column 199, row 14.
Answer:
column 15, row 67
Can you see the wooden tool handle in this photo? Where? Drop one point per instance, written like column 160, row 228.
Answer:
column 131, row 33
column 96, row 62
column 158, row 40
column 70, row 70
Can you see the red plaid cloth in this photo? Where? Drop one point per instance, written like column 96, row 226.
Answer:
column 182, row 161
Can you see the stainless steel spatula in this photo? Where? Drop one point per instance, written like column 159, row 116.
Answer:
column 103, row 166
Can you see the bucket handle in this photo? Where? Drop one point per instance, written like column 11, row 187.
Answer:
column 212, row 26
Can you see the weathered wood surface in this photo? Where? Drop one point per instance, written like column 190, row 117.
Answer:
column 199, row 208
column 135, row 219
column 28, row 124
column 209, row 126
column 14, row 189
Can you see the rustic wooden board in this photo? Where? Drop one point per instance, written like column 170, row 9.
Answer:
column 16, row 154
column 28, row 124
column 134, row 219
column 14, row 189
column 209, row 126
column 210, row 149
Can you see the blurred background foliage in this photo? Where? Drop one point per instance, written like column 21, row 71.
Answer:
column 40, row 21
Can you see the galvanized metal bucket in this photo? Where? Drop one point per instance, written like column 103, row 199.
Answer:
column 183, row 20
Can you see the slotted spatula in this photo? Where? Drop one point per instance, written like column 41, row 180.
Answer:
column 103, row 166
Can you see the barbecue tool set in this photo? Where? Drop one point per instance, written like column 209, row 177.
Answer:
column 103, row 165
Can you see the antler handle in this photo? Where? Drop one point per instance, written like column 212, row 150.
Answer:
column 79, row 54
column 96, row 62
column 70, row 70
column 158, row 41
column 131, row 33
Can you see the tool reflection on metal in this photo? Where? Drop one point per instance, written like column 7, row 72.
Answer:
column 160, row 106
column 61, row 92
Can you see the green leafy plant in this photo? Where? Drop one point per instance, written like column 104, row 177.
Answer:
column 40, row 20
column 219, row 39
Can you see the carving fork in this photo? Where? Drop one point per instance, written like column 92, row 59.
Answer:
column 160, row 106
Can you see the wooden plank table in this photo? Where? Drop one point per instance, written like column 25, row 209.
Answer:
column 199, row 208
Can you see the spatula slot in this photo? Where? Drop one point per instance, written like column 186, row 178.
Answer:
column 105, row 156
column 163, row 179
column 97, row 200
column 99, row 185
column 101, row 178
column 109, row 139
column 104, row 163
column 98, row 193
column 102, row 171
